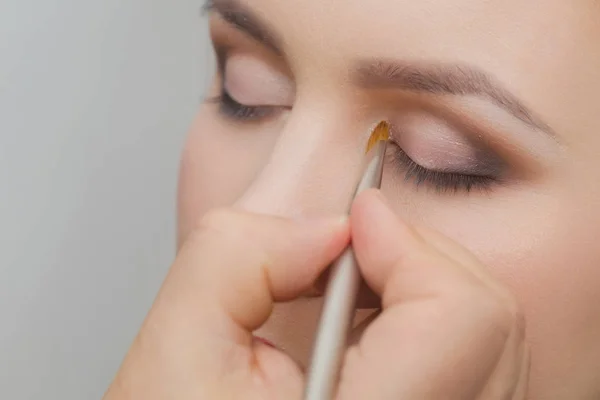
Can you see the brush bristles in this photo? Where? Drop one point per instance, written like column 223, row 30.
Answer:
column 381, row 132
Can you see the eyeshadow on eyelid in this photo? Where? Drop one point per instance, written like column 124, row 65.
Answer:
column 436, row 145
column 253, row 82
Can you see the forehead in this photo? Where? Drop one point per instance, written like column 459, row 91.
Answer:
column 448, row 30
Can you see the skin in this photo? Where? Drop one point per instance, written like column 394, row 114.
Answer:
column 535, row 229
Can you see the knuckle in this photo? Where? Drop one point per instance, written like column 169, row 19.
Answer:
column 218, row 219
column 221, row 223
column 229, row 229
column 216, row 225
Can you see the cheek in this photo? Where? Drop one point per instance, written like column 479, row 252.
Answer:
column 218, row 163
column 556, row 278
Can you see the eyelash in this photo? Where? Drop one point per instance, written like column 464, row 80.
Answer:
column 441, row 181
column 231, row 109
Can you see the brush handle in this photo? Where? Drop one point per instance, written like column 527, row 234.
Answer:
column 336, row 318
column 340, row 300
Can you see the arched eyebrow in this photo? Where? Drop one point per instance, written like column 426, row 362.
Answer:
column 243, row 19
column 425, row 77
column 443, row 78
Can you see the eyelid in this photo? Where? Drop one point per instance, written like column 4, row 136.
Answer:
column 227, row 41
column 438, row 145
column 441, row 181
column 253, row 81
column 528, row 154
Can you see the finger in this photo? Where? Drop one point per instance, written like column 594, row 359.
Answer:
column 237, row 264
column 222, row 286
column 523, row 385
column 441, row 332
column 508, row 381
column 383, row 242
column 467, row 260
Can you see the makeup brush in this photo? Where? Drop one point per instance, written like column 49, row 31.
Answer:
column 342, row 290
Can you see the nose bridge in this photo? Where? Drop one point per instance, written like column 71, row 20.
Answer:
column 313, row 168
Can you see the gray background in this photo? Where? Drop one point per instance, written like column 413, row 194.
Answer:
column 95, row 100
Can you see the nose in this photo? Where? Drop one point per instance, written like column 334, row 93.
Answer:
column 313, row 168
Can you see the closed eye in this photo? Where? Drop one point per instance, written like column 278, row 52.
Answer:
column 234, row 110
column 441, row 181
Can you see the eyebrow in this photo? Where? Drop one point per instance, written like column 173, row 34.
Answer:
column 425, row 77
column 245, row 21
column 443, row 78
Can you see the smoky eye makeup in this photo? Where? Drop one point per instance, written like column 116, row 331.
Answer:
column 428, row 151
column 441, row 181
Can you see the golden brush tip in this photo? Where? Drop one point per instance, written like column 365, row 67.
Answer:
column 381, row 132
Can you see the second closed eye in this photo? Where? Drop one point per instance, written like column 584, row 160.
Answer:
column 252, row 89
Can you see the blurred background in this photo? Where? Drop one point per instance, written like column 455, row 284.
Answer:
column 95, row 100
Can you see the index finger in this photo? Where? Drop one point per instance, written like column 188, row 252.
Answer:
column 233, row 268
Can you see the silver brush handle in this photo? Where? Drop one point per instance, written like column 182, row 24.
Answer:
column 340, row 302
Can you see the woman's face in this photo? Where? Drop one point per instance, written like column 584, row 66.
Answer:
column 496, row 124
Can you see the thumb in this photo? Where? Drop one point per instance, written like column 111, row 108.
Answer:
column 444, row 325
column 197, row 339
column 241, row 263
